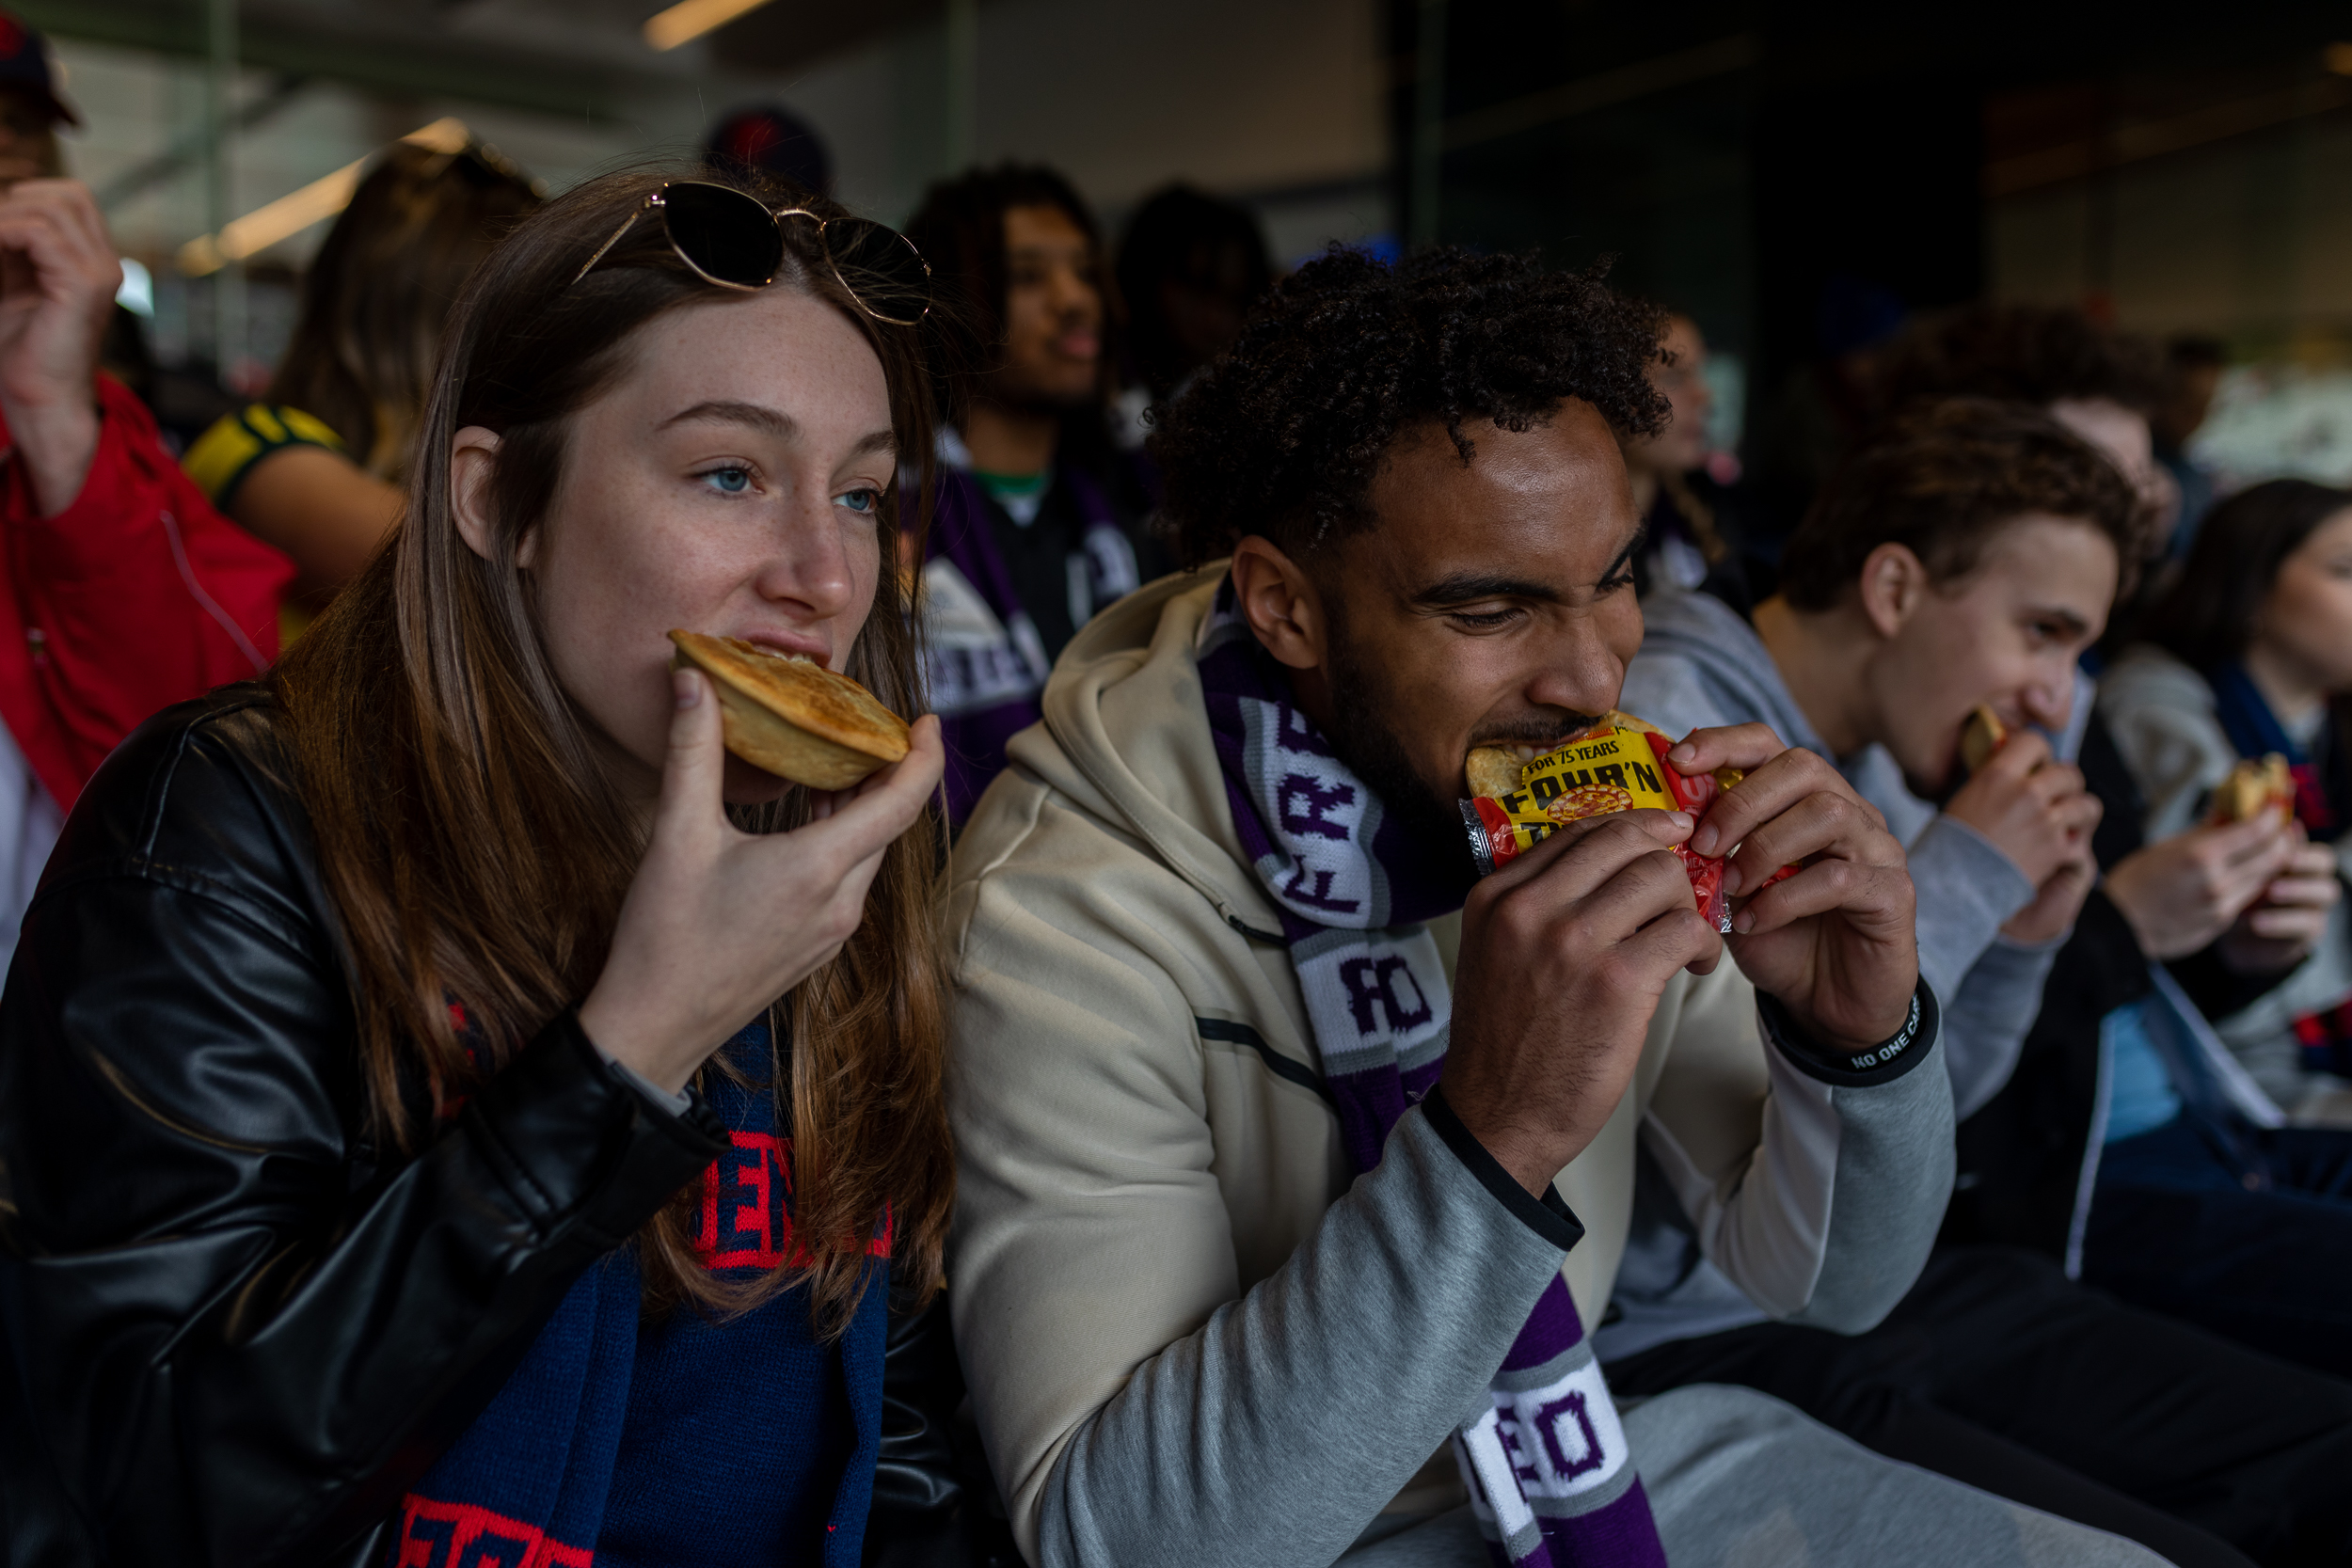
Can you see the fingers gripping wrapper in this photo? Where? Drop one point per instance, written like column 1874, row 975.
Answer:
column 1622, row 768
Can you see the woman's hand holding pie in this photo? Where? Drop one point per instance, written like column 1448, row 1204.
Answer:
column 719, row 922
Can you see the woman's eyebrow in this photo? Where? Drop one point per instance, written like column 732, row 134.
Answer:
column 771, row 421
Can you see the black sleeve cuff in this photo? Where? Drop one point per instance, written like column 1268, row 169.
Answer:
column 579, row 1146
column 2217, row 989
column 2101, row 968
column 1547, row 1216
column 1897, row 1054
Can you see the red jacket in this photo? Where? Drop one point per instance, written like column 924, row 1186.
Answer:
column 136, row 596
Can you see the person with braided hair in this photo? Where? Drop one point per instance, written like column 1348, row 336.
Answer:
column 1037, row 523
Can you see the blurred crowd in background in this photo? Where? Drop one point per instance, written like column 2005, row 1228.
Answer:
column 1074, row 337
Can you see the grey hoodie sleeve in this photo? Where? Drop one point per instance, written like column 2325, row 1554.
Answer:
column 1857, row 1156
column 1967, row 887
column 1861, row 1161
column 2160, row 713
column 1892, row 1171
column 1985, row 1026
column 1364, row 1350
column 1675, row 695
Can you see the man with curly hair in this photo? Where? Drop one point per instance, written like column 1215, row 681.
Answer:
column 1295, row 1158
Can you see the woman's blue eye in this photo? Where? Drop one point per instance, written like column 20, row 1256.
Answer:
column 858, row 500
column 733, row 481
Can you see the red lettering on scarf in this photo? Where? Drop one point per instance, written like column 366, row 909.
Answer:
column 758, row 1213
column 753, row 1178
column 746, row 1217
column 460, row 1535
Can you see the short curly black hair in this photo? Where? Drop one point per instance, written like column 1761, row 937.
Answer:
column 1281, row 437
column 2037, row 353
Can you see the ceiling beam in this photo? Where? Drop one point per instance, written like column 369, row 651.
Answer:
column 415, row 67
column 187, row 150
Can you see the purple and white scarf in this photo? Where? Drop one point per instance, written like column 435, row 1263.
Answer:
column 1550, row 1478
column 984, row 662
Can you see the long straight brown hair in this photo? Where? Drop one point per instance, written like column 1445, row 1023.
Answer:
column 476, row 850
column 376, row 296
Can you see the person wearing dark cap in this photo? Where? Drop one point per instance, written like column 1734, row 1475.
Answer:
column 121, row 590
column 1038, row 516
column 30, row 108
column 773, row 140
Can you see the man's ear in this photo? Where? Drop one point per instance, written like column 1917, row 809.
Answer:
column 1894, row 582
column 472, row 464
column 1281, row 603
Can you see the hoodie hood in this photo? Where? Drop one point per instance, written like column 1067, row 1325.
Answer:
column 1126, row 738
column 1700, row 660
column 1702, row 663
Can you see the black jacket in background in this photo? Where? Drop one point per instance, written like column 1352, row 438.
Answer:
column 235, row 1330
column 2021, row 1155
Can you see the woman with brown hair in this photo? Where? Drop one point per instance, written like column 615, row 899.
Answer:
column 451, row 1110
column 2249, row 655
column 315, row 467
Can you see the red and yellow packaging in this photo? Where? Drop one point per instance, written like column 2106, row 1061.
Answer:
column 1622, row 768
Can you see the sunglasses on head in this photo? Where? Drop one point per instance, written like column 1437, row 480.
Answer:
column 731, row 238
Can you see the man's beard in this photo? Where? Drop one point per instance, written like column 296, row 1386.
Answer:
column 1361, row 736
column 1364, row 741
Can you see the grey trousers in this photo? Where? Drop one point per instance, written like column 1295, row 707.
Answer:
column 1739, row 1480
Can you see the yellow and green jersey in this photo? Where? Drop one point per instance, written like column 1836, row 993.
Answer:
column 223, row 455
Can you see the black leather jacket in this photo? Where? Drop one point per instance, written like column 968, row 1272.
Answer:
column 235, row 1331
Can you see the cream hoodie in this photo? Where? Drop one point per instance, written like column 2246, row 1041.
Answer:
column 1191, row 1335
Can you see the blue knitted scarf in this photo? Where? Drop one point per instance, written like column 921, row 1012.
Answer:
column 2255, row 732
column 2323, row 1039
column 683, row 1441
